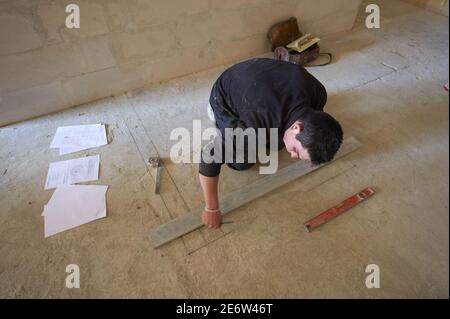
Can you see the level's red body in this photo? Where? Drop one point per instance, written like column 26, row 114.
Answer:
column 339, row 209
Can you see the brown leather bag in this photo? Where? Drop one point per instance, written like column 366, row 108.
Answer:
column 285, row 32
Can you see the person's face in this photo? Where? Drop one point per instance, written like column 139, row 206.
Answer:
column 293, row 146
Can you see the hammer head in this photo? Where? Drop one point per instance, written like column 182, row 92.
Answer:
column 154, row 161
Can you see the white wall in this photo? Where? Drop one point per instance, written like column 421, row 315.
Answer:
column 126, row 44
column 437, row 6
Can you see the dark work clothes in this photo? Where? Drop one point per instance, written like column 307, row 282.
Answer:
column 262, row 93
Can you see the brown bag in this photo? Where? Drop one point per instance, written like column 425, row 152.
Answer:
column 285, row 32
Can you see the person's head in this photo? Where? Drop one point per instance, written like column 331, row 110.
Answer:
column 316, row 137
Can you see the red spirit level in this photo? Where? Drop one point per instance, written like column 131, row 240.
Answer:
column 339, row 209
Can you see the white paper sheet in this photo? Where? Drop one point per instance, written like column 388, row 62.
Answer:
column 63, row 150
column 70, row 139
column 72, row 171
column 74, row 205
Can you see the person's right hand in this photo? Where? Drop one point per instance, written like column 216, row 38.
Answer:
column 212, row 219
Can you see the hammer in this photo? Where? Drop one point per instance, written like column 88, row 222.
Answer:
column 155, row 162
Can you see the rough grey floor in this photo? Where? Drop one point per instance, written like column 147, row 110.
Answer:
column 385, row 86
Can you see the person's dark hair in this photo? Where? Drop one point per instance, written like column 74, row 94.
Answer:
column 321, row 136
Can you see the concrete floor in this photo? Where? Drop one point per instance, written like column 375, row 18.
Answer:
column 385, row 87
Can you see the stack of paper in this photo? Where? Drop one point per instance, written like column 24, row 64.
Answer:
column 70, row 139
column 72, row 171
column 73, row 205
column 303, row 43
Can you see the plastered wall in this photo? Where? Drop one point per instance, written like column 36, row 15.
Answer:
column 125, row 44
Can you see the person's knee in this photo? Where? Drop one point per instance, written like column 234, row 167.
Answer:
column 240, row 166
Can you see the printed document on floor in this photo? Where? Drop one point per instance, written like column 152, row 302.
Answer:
column 70, row 139
column 72, row 171
column 72, row 206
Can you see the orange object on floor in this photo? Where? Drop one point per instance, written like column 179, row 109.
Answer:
column 339, row 209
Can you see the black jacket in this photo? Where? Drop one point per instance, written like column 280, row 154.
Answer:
column 262, row 93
